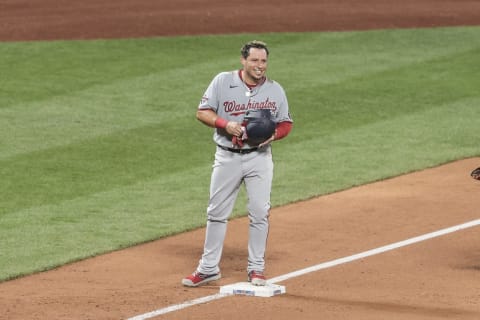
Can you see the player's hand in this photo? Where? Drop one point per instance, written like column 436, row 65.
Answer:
column 234, row 128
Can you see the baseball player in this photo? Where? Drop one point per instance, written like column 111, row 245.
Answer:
column 223, row 106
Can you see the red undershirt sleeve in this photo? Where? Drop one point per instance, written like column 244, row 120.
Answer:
column 283, row 129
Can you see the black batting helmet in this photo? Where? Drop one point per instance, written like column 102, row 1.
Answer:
column 260, row 125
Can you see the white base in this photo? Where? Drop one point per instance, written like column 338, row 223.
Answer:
column 248, row 289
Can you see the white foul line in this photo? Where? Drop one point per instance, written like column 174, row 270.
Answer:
column 317, row 267
column 180, row 306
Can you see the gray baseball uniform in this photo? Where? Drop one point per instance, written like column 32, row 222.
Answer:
column 230, row 98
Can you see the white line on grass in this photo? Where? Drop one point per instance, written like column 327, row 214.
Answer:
column 317, row 267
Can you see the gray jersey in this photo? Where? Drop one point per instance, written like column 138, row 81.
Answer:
column 230, row 98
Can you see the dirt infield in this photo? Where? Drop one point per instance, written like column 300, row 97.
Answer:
column 88, row 19
column 434, row 279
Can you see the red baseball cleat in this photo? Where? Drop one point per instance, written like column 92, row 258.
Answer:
column 257, row 278
column 196, row 279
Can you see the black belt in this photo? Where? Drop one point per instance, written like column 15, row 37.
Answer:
column 241, row 151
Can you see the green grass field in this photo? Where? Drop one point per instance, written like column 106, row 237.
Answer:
column 100, row 148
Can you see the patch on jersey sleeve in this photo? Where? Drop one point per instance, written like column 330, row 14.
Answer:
column 204, row 100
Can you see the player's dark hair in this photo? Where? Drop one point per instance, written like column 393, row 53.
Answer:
column 245, row 51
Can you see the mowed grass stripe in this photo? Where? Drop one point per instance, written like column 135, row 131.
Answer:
column 379, row 150
column 96, row 111
column 36, row 71
column 66, row 231
column 98, row 164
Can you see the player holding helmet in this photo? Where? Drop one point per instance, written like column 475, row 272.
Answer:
column 237, row 160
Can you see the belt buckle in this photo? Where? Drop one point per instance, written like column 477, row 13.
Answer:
column 246, row 151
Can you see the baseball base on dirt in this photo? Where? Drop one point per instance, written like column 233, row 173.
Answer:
column 248, row 289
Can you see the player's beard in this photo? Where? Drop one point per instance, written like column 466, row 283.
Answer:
column 254, row 76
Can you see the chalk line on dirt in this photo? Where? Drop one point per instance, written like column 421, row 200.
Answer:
column 314, row 268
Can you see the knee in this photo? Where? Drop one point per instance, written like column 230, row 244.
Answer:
column 218, row 213
column 259, row 213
